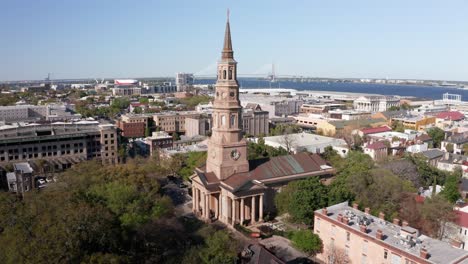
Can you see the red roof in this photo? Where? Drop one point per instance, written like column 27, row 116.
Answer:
column 419, row 198
column 376, row 145
column 374, row 130
column 462, row 218
column 454, row 115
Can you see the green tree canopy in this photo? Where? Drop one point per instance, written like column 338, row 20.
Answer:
column 437, row 135
column 451, row 191
column 308, row 242
column 301, row 198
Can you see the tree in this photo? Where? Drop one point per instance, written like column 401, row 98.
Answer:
column 465, row 149
column 436, row 212
column 450, row 191
column 449, row 147
column 220, row 248
column 284, row 129
column 398, row 126
column 437, row 135
column 288, row 141
column 336, row 255
column 301, row 198
column 137, row 110
column 307, row 242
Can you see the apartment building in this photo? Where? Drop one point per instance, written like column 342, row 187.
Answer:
column 173, row 121
column 158, row 140
column 61, row 144
column 287, row 107
column 133, row 125
column 352, row 236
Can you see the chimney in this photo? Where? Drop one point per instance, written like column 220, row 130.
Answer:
column 423, row 253
column 363, row 228
column 382, row 215
column 325, row 211
column 379, row 234
column 405, row 223
column 396, row 221
column 346, row 220
column 356, row 206
column 367, row 210
column 340, row 218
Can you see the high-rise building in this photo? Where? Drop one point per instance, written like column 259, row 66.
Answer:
column 184, row 81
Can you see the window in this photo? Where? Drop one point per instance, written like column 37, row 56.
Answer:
column 348, row 235
column 395, row 259
column 233, row 120
column 223, row 120
column 224, row 74
column 333, row 230
column 385, row 254
column 364, row 246
column 364, row 259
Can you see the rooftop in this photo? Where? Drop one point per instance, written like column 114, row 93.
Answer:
column 379, row 129
column 402, row 238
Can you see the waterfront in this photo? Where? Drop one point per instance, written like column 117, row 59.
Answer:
column 432, row 92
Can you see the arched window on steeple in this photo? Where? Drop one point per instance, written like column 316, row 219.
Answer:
column 224, row 74
column 230, row 73
column 223, row 120
column 233, row 120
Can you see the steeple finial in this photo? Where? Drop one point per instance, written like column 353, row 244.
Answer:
column 227, row 52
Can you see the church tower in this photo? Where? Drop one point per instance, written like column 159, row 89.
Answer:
column 227, row 150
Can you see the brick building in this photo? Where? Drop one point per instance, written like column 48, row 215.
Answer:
column 133, row 125
column 352, row 236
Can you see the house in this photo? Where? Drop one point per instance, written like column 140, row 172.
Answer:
column 377, row 150
column 432, row 156
column 21, row 179
column 449, row 162
column 456, row 141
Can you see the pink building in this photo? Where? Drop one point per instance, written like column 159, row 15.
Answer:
column 353, row 236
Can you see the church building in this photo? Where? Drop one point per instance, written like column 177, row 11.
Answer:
column 230, row 188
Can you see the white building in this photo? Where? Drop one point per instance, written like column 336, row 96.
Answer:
column 375, row 103
column 307, row 142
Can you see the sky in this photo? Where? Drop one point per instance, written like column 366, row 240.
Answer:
column 417, row 39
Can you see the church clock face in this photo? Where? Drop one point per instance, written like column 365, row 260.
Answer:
column 235, row 154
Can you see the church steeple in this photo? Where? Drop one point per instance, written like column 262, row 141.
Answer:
column 227, row 52
column 227, row 150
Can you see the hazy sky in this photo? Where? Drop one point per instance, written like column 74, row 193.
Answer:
column 116, row 38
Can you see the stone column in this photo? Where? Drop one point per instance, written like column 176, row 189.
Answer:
column 194, row 208
column 207, row 206
column 252, row 211
column 217, row 207
column 260, row 208
column 233, row 213
column 242, row 209
column 203, row 196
